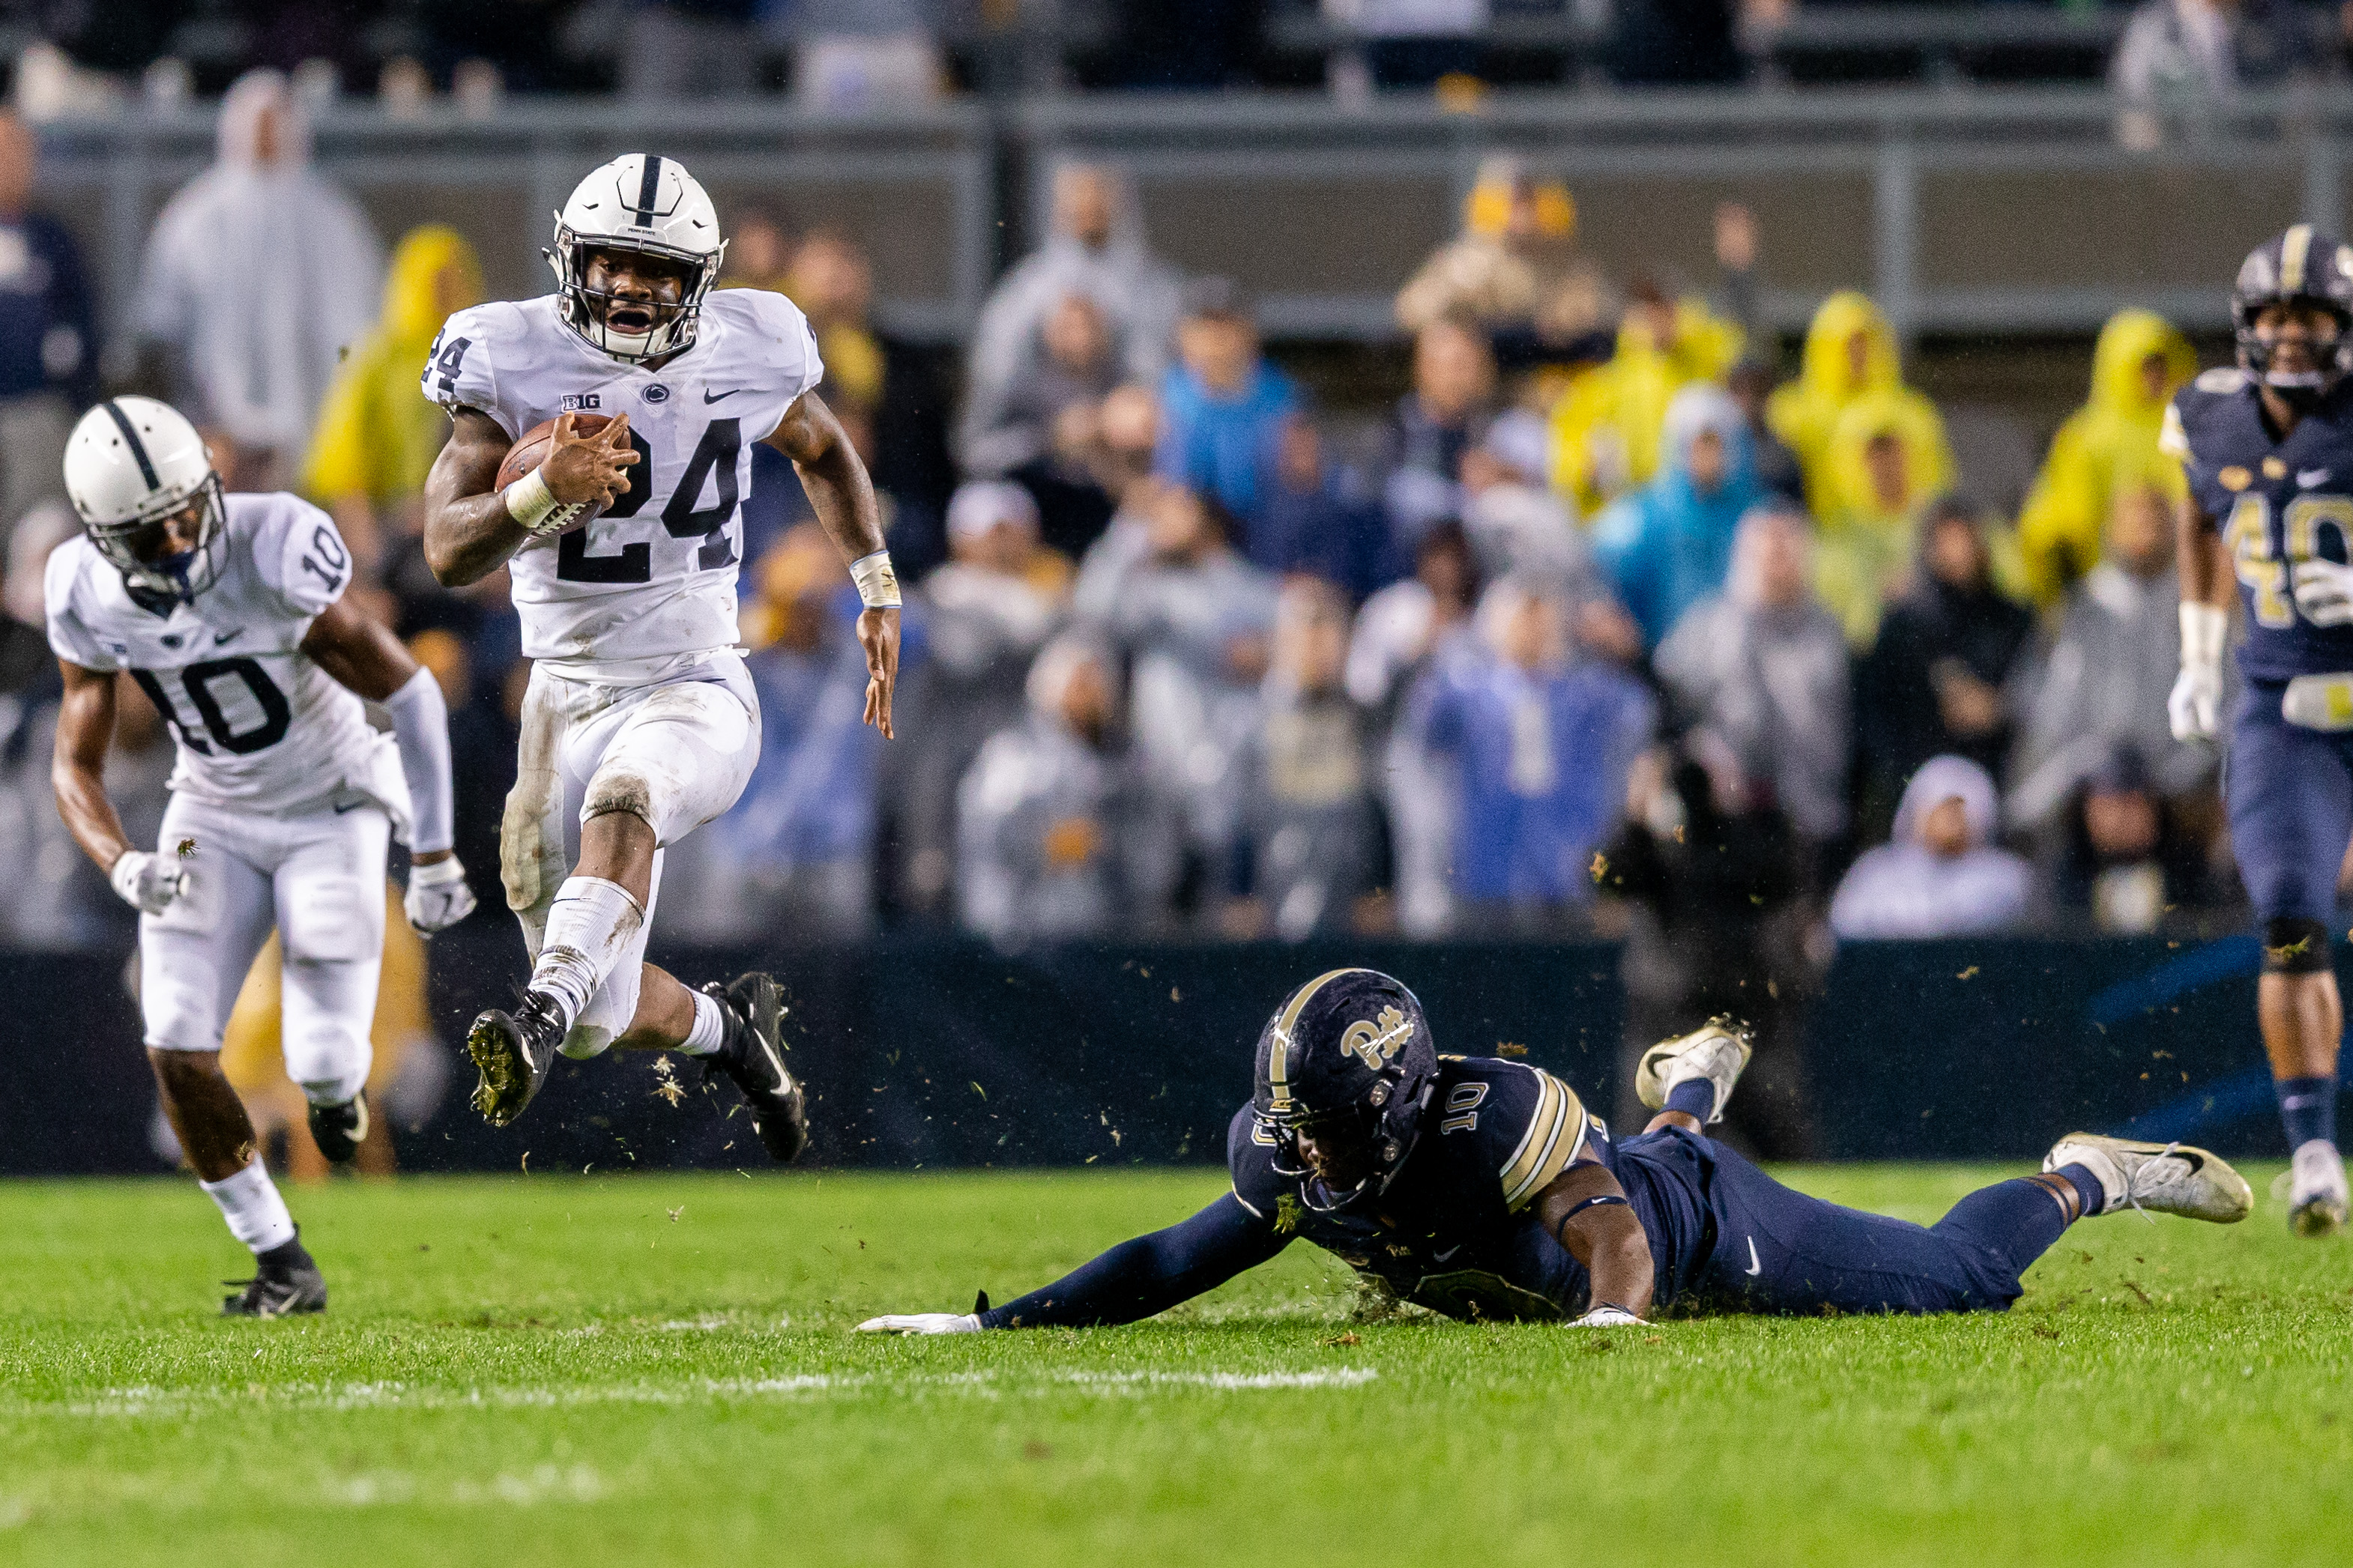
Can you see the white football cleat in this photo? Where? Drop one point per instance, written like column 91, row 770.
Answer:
column 2316, row 1195
column 2169, row 1178
column 1717, row 1051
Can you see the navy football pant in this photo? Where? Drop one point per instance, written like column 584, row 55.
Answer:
column 2289, row 791
column 1780, row 1251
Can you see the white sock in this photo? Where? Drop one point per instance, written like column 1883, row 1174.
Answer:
column 250, row 1202
column 589, row 924
column 710, row 1031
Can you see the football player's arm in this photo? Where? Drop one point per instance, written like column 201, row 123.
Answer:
column 1585, row 1210
column 145, row 880
column 1133, row 1280
column 471, row 526
column 2208, row 583
column 362, row 653
column 844, row 498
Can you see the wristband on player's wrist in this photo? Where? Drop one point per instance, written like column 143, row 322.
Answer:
column 2205, row 631
column 534, row 505
column 878, row 584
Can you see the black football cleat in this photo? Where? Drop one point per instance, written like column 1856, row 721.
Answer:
column 286, row 1283
column 514, row 1052
column 752, row 1057
column 340, row 1129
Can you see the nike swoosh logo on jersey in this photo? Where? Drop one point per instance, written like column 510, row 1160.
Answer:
column 1754, row 1265
column 709, row 396
column 1443, row 1257
column 2308, row 477
column 355, row 805
column 229, row 636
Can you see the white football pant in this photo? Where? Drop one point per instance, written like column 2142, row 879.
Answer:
column 318, row 877
column 677, row 754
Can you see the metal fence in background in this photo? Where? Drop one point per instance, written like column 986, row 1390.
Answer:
column 1970, row 210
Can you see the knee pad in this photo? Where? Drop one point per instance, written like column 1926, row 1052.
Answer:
column 2295, row 944
column 618, row 790
column 332, row 919
column 178, row 1018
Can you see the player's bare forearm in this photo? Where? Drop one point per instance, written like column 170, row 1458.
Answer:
column 469, row 533
column 1606, row 1239
column 843, row 497
column 78, row 766
column 838, row 486
column 2206, row 571
column 358, row 651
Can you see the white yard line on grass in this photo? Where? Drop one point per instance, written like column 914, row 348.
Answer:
column 149, row 1401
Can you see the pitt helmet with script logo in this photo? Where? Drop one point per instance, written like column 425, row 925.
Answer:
column 2299, row 267
column 1347, row 1064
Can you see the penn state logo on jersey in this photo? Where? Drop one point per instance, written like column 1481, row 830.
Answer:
column 672, row 544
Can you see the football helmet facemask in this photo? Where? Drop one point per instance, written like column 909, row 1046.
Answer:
column 133, row 465
column 1348, row 1061
column 2298, row 266
column 643, row 205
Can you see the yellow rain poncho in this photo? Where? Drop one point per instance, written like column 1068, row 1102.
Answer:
column 1868, row 525
column 2140, row 363
column 376, row 437
column 1805, row 414
column 1606, row 421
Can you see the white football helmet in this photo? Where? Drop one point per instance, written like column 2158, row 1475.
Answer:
column 130, row 464
column 644, row 203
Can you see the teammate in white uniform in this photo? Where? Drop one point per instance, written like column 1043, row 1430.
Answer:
column 228, row 612
column 640, row 724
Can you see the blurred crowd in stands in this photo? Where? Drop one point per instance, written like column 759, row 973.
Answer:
column 1608, row 625
column 2164, row 57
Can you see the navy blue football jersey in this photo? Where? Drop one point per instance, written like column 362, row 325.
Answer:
column 2277, row 502
column 1457, row 1230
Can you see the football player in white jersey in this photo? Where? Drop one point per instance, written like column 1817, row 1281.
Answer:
column 229, row 613
column 640, row 724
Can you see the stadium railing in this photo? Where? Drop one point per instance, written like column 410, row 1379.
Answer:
column 1975, row 210
column 1945, row 44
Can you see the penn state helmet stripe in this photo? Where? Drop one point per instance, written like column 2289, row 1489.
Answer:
column 2293, row 250
column 138, row 447
column 649, row 189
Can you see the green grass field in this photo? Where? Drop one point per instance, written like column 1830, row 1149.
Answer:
column 658, row 1370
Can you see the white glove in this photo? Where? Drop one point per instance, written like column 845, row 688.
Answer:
column 437, row 895
column 2324, row 591
column 148, row 883
column 2196, row 706
column 922, row 1324
column 1606, row 1316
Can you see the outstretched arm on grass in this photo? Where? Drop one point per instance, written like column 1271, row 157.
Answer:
column 1134, row 1279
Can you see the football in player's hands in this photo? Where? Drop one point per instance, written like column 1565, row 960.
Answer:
column 539, row 443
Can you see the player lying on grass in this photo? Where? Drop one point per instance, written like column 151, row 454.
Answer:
column 1482, row 1189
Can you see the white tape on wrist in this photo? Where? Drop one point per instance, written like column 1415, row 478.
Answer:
column 534, row 506
column 2205, row 630
column 878, row 584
